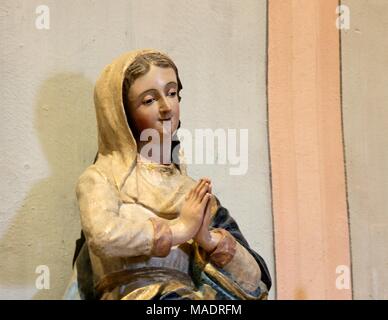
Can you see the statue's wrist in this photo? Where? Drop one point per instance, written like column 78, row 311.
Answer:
column 163, row 238
column 210, row 242
column 177, row 232
column 181, row 233
column 225, row 249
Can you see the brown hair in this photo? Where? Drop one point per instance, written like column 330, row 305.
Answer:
column 141, row 65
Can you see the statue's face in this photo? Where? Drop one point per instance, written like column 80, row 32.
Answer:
column 153, row 101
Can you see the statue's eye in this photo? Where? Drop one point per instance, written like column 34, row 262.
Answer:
column 148, row 101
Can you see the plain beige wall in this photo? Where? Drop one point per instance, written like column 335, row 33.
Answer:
column 365, row 112
column 48, row 133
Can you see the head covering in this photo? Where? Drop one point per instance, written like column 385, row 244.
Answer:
column 117, row 149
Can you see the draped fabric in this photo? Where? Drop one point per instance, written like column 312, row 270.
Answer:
column 207, row 282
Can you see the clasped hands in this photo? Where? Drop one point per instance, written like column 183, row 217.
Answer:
column 195, row 216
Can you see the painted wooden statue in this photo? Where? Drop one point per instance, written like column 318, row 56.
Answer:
column 151, row 231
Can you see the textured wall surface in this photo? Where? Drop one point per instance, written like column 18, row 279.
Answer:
column 365, row 111
column 307, row 163
column 48, row 133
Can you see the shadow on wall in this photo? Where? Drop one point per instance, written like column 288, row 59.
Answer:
column 44, row 229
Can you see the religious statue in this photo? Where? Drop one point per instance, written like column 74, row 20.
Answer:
column 150, row 231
